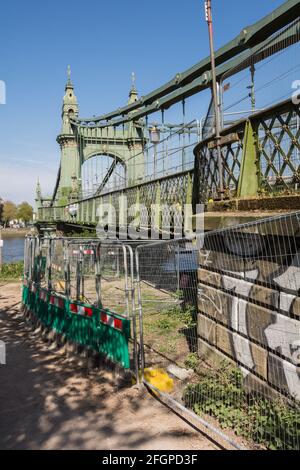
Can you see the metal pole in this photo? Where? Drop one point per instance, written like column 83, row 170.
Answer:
column 208, row 14
column 155, row 158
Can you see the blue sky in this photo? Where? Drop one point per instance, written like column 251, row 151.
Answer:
column 103, row 42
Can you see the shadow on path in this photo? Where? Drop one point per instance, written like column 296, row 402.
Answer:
column 51, row 401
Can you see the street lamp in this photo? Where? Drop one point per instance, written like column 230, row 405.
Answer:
column 154, row 135
column 73, row 209
column 155, row 139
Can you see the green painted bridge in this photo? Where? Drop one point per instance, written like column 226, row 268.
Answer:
column 157, row 150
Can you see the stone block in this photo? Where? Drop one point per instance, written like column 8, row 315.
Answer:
column 214, row 303
column 228, row 262
column 207, row 329
column 290, row 277
column 211, row 355
column 286, row 301
column 283, row 335
column 257, row 319
column 242, row 350
column 215, row 256
column 266, row 269
column 237, row 286
column 248, row 290
column 284, row 375
column 250, row 355
column 295, row 310
column 224, row 340
column 209, row 277
column 264, row 295
column 252, row 383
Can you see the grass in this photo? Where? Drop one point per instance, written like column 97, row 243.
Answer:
column 165, row 330
column 11, row 271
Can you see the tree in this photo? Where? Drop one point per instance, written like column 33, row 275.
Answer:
column 1, row 208
column 25, row 212
column 9, row 212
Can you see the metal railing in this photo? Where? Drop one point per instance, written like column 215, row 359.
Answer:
column 263, row 148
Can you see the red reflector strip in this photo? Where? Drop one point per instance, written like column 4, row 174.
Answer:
column 118, row 324
column 88, row 311
column 57, row 301
column 88, row 252
column 73, row 308
column 111, row 321
column 81, row 310
column 103, row 317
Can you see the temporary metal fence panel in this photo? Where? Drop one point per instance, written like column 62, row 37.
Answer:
column 80, row 314
column 80, row 267
column 220, row 330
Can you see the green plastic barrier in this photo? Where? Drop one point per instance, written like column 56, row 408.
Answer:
column 25, row 295
column 98, row 329
column 42, row 306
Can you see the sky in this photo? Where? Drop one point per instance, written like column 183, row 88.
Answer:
column 103, row 42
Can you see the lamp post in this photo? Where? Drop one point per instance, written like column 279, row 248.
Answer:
column 208, row 17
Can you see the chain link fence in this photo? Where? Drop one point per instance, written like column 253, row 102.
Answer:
column 221, row 333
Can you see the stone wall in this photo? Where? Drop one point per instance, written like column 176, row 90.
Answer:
column 249, row 307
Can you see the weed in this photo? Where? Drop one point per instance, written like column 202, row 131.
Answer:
column 11, row 271
column 192, row 361
column 220, row 394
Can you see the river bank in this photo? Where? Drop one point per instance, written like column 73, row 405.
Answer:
column 14, row 232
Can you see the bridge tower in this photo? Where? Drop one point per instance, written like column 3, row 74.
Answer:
column 78, row 144
column 38, row 196
column 70, row 166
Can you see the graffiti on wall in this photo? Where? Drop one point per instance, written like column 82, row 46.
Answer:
column 250, row 285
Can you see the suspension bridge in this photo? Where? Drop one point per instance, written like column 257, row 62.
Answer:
column 158, row 150
column 223, row 135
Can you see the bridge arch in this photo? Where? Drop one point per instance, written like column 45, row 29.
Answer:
column 102, row 171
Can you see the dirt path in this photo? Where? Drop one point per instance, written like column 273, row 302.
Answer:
column 50, row 401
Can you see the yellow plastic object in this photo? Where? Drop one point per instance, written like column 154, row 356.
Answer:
column 159, row 379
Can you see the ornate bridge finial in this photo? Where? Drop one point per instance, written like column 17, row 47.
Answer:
column 69, row 74
column 133, row 81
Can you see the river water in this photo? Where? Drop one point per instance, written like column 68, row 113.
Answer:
column 13, row 249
